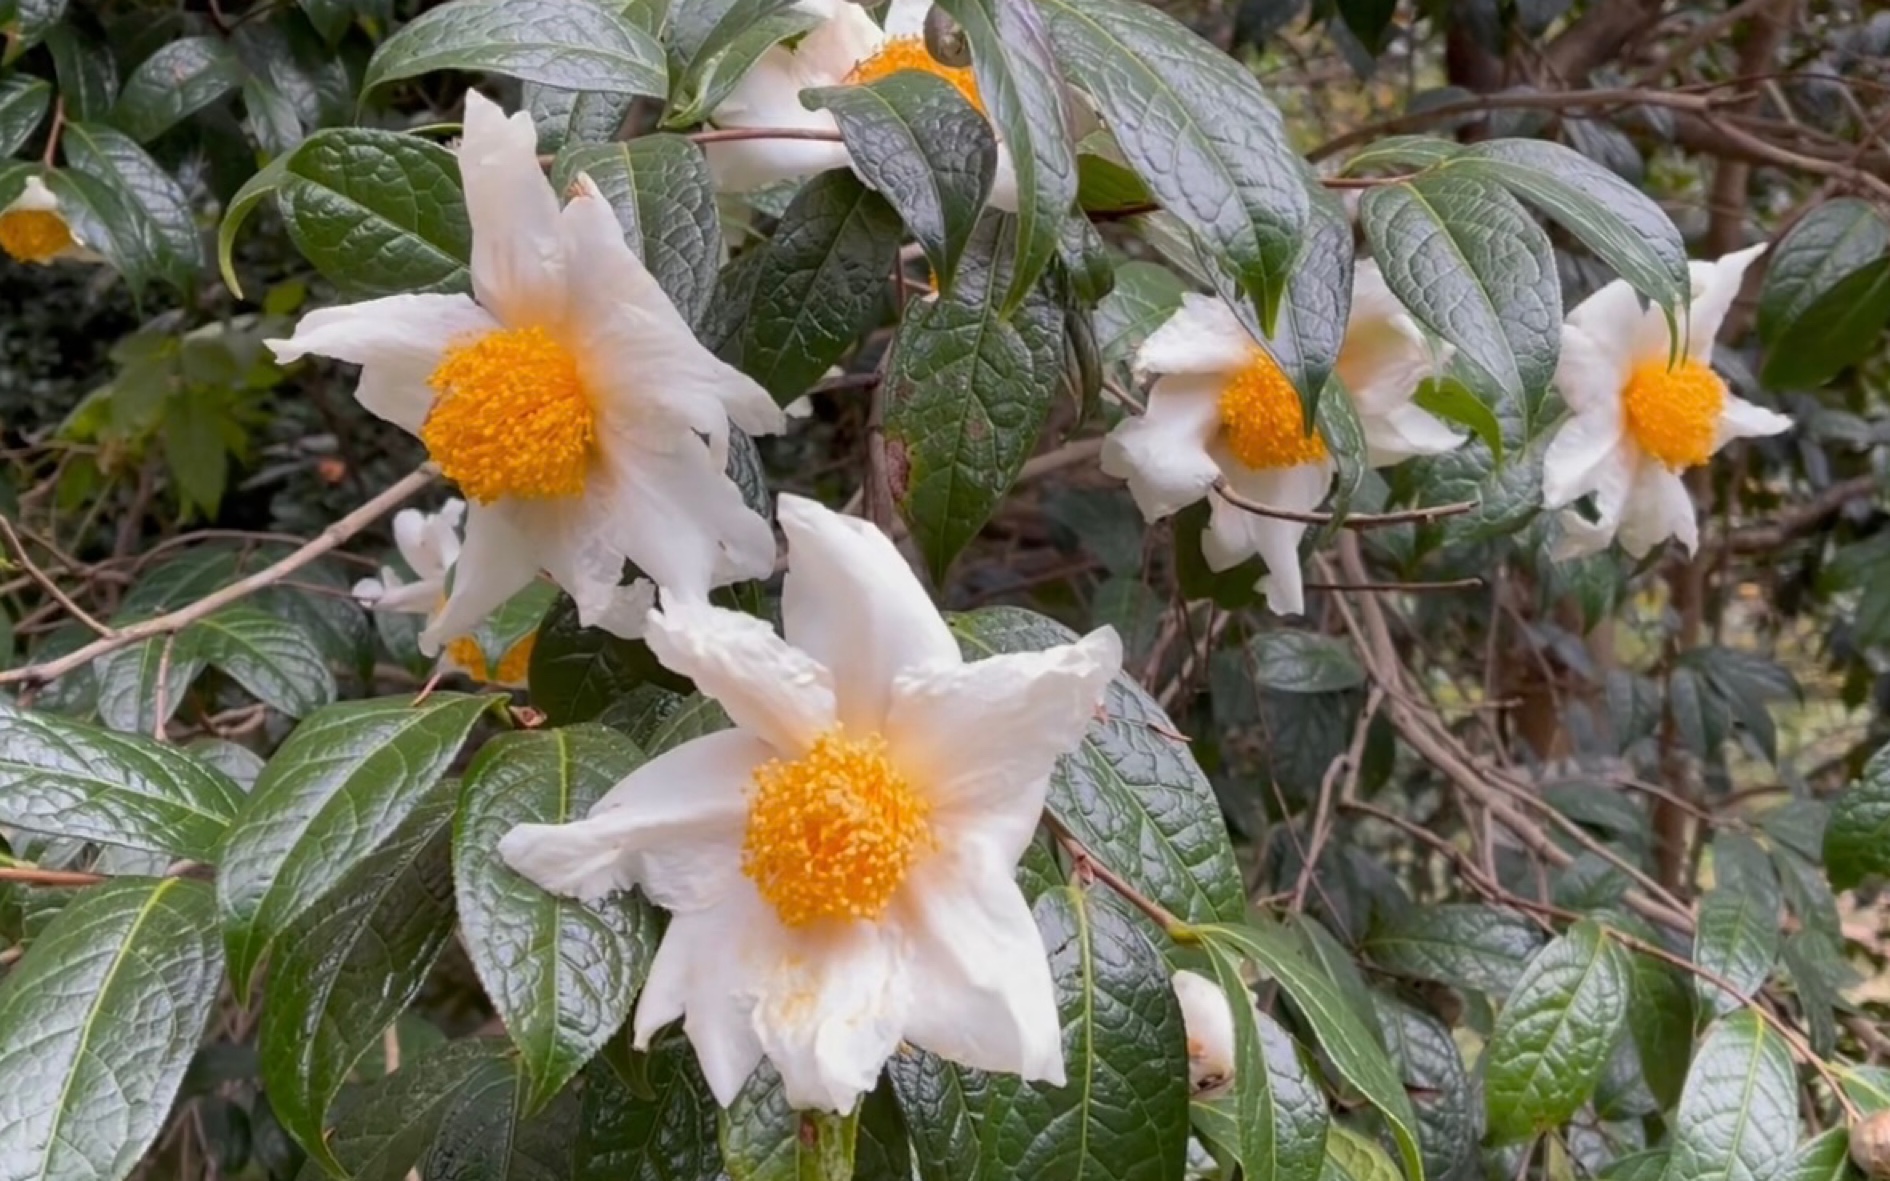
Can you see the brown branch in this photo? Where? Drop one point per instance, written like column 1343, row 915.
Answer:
column 721, row 135
column 1087, row 866
column 1796, row 521
column 1485, row 103
column 47, row 584
column 1350, row 520
column 33, row 875
column 1393, row 588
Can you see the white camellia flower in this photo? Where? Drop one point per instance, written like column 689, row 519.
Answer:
column 838, row 866
column 33, row 230
column 846, row 48
column 1638, row 423
column 1222, row 410
column 569, row 401
column 1208, row 1021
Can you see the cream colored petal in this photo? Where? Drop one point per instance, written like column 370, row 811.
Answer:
column 1201, row 337
column 518, row 268
column 706, row 971
column 410, row 598
column 831, row 1011
column 1208, row 1020
column 397, row 341
column 852, row 603
column 1658, row 507
column 1589, row 374
column 679, row 518
column 429, row 542
column 983, row 736
column 1162, row 452
column 500, row 558
column 1611, row 481
column 778, row 693
column 906, row 18
column 673, row 827
column 34, row 197
column 1740, row 419
column 988, row 999
column 742, row 166
column 830, row 50
column 1715, row 287
column 1405, row 432
column 1582, row 444
column 1300, row 489
column 1003, row 195
column 1616, row 323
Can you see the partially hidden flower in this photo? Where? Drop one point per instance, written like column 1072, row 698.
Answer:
column 838, row 866
column 32, row 228
column 581, row 418
column 847, row 48
column 1208, row 1021
column 1221, row 409
column 1637, row 422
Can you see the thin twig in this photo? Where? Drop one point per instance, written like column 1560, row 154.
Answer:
column 33, row 875
column 1392, row 588
column 1087, row 865
column 1350, row 520
column 47, row 584
column 722, row 135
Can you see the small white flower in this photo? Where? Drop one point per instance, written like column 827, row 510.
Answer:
column 1638, row 424
column 838, row 866
column 32, row 229
column 1221, row 409
column 847, row 48
column 429, row 544
column 1209, row 1022
column 570, row 402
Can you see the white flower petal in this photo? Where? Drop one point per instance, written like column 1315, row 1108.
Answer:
column 34, row 197
column 703, row 973
column 1615, row 321
column 853, row 604
column 1208, row 1020
column 1162, row 452
column 427, row 548
column 1234, row 533
column 1202, row 336
column 830, row 50
column 778, row 693
column 1591, row 374
column 1404, row 432
column 983, row 736
column 1715, row 287
column 989, row 1001
column 831, row 1011
column 678, row 516
column 673, row 826
column 500, row 558
column 1658, row 507
column 744, row 165
column 1003, row 195
column 1740, row 419
column 1611, row 480
column 1581, row 445
column 409, row 598
column 518, row 268
column 397, row 341
column 369, row 591
column 906, row 18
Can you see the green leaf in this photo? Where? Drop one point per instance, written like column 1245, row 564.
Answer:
column 1660, row 1020
column 1738, row 1117
column 967, row 392
column 1303, row 662
column 333, row 793
column 129, row 697
column 1442, row 1093
column 87, row 73
column 1306, row 339
column 378, row 212
column 664, row 197
column 1144, row 296
column 763, row 1139
column 701, row 29
column 1857, row 838
column 712, row 75
column 69, row 779
column 561, row 974
column 1822, row 1158
column 667, row 1135
column 1473, row 267
column 1452, row 401
column 1840, row 328
column 1131, row 792
column 488, row 1137
column 23, row 103
column 1640, row 1166
column 193, row 430
column 576, row 671
column 1021, row 89
column 1343, row 1035
column 1736, row 938
column 1274, row 1121
column 574, row 118
column 98, row 1023
column 180, row 79
column 381, row 1129
column 262, row 183
column 919, row 144
column 1351, row 1157
column 944, row 1106
column 345, row 971
column 1555, row 1034
column 1832, row 241
column 819, row 282
column 153, row 233
column 1616, row 220
column 571, row 44
column 274, row 659
column 1479, row 948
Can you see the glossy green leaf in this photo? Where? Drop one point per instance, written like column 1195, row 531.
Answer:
column 87, row 73
column 378, row 1131
column 152, row 232
column 98, row 1023
column 23, row 103
column 1738, row 1117
column 181, row 78
column 1274, row 1120
column 700, row 29
column 1465, row 946
column 67, row 778
column 1661, row 1022
column 711, row 75
column 1824, row 1157
column 1352, row 1157
column 333, row 793
column 918, row 143
column 1639, row 1166
column 944, row 1107
column 27, row 21
column 574, row 118
column 1857, row 838
column 763, row 1139
column 572, row 44
column 263, row 183
column 1132, row 792
column 1303, row 662
column 273, row 658
column 1736, row 939
column 562, row 974
column 1840, row 328
column 487, row 1136
column 1555, row 1034
column 1452, row 401
column 1833, row 240
column 577, row 671
column 668, row 1134
column 1144, row 296
column 344, row 972
column 1449, row 1111
column 129, row 693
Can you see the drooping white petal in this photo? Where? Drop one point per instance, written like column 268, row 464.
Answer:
column 408, row 598
column 853, row 604
column 1616, row 324
column 906, row 18
column 1385, row 355
column 1740, row 419
column 988, row 998
column 705, row 971
column 831, row 49
column 1202, row 336
column 397, row 341
column 500, row 558
column 779, row 693
column 983, row 736
column 769, row 96
column 1404, row 432
column 1234, row 534
column 1658, row 507
column 673, row 827
column 1590, row 374
column 429, row 542
column 1715, row 287
column 369, row 591
column 518, row 267
column 1581, row 445
column 1163, row 452
column 832, row 1010
column 1208, row 1019
column 678, row 516
column 1611, row 481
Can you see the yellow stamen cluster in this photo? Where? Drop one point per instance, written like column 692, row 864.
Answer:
column 34, row 235
column 1674, row 413
column 512, row 419
column 832, row 834
column 466, row 654
column 1263, row 419
column 910, row 53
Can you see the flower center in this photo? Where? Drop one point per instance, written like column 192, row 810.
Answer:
column 34, row 235
column 1674, row 413
column 1265, row 424
column 512, row 418
column 833, row 834
column 910, row 53
column 466, row 653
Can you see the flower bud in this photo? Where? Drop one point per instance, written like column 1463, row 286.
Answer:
column 1870, row 1144
column 945, row 40
column 1209, row 1021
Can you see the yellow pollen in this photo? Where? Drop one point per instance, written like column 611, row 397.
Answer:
column 466, row 653
column 910, row 53
column 34, row 235
column 1674, row 413
column 833, row 834
column 1265, row 424
column 512, row 418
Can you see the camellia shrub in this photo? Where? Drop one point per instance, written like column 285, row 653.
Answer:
column 788, row 590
